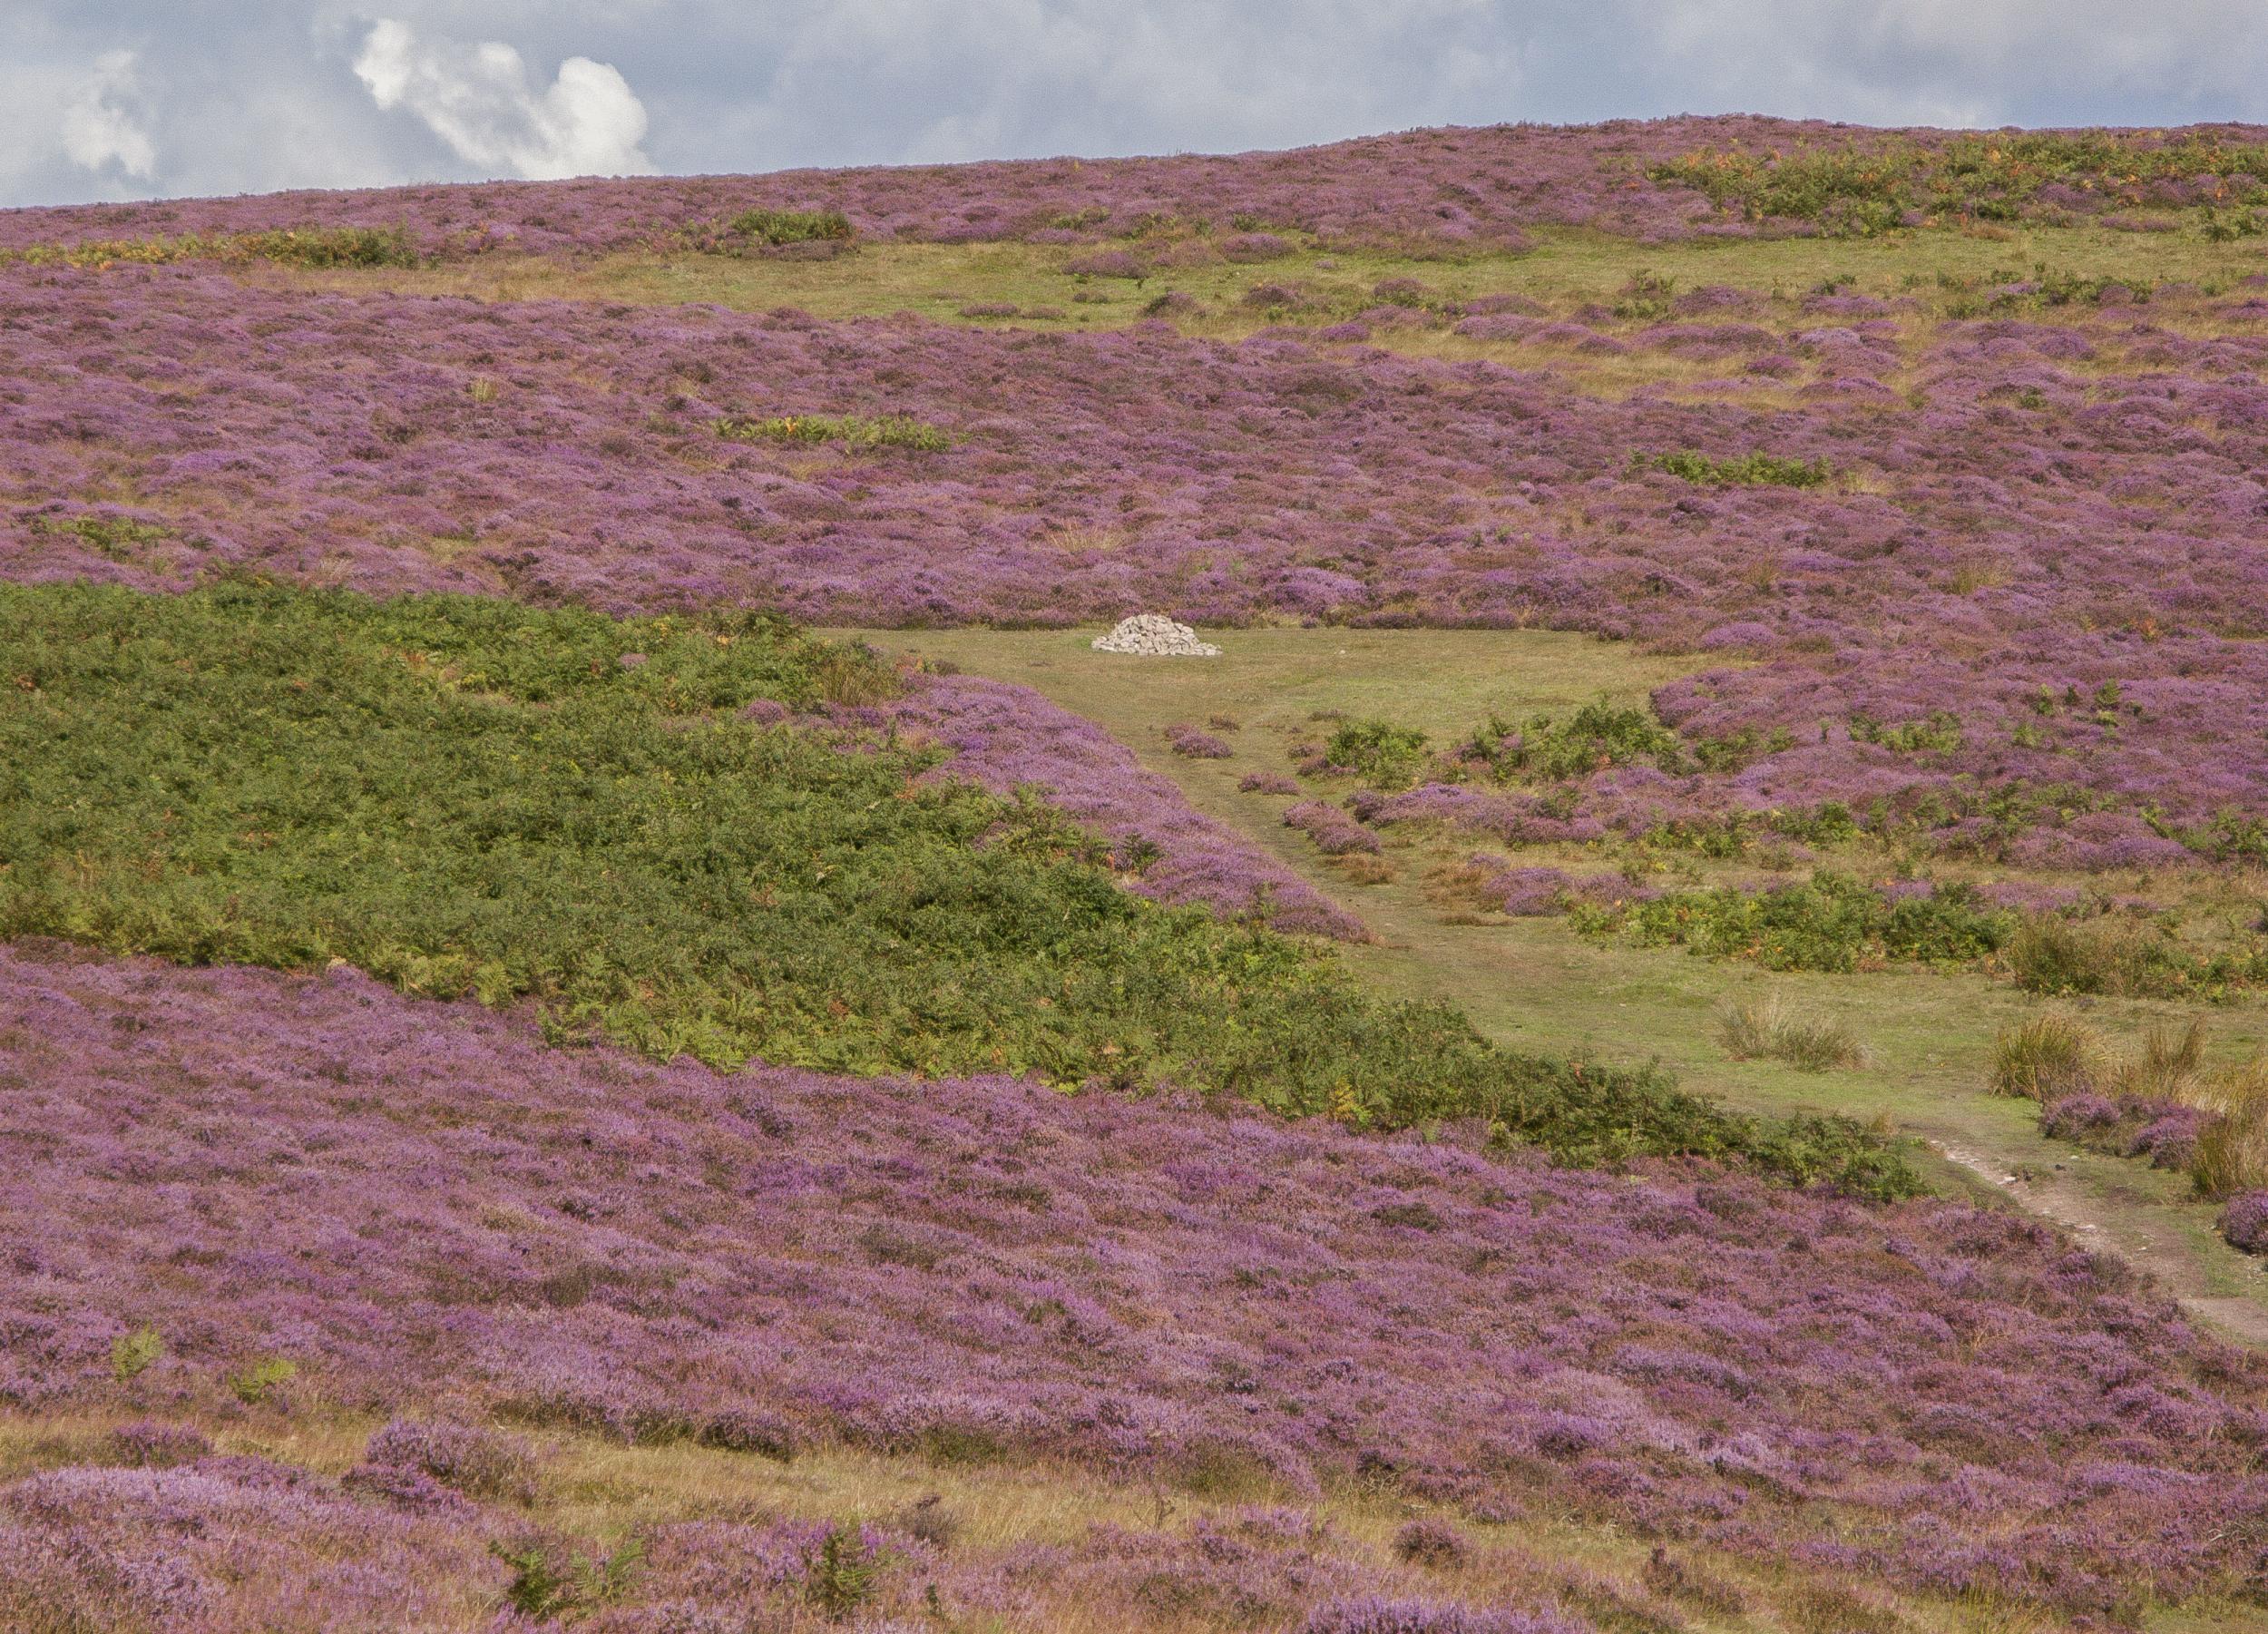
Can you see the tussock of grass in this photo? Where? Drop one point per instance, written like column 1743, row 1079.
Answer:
column 2046, row 1057
column 1768, row 1029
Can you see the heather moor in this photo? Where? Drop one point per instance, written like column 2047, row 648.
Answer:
column 1502, row 880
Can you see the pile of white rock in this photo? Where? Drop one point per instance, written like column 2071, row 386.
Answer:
column 1153, row 635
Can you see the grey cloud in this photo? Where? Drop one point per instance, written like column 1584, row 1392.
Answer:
column 228, row 96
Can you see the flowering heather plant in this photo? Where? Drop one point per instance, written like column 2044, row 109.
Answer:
column 1335, row 833
column 2244, row 1222
column 1196, row 744
column 420, row 1202
column 476, row 1462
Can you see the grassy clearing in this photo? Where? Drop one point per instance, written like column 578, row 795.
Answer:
column 469, row 796
column 1028, row 285
column 1538, row 983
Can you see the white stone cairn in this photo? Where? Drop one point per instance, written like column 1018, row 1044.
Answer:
column 1154, row 635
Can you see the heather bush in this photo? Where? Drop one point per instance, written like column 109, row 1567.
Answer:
column 1766, row 1028
column 2244, row 1222
column 1195, row 744
column 2077, row 1116
column 473, row 798
column 1334, row 832
column 478, row 1463
column 1434, row 1543
column 1374, row 1614
column 159, row 1446
column 851, row 431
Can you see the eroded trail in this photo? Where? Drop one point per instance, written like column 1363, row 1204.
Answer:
column 2150, row 1238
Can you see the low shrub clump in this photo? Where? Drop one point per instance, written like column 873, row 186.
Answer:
column 852, row 431
column 317, row 248
column 1737, row 471
column 755, row 230
column 2053, row 956
column 1767, row 1029
column 1831, row 923
column 2244, row 1222
column 1596, row 737
column 1195, row 743
column 473, row 798
column 1381, row 754
column 1334, row 832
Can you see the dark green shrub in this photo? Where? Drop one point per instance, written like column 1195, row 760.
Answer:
column 842, row 1575
column 1736, row 471
column 791, row 226
column 312, row 247
column 1828, row 923
column 1383, row 755
column 1596, row 736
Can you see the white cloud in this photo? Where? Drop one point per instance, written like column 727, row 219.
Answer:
column 479, row 100
column 98, row 133
column 244, row 95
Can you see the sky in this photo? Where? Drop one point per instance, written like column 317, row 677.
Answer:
column 121, row 99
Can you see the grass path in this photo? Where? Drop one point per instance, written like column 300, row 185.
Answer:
column 1534, row 983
